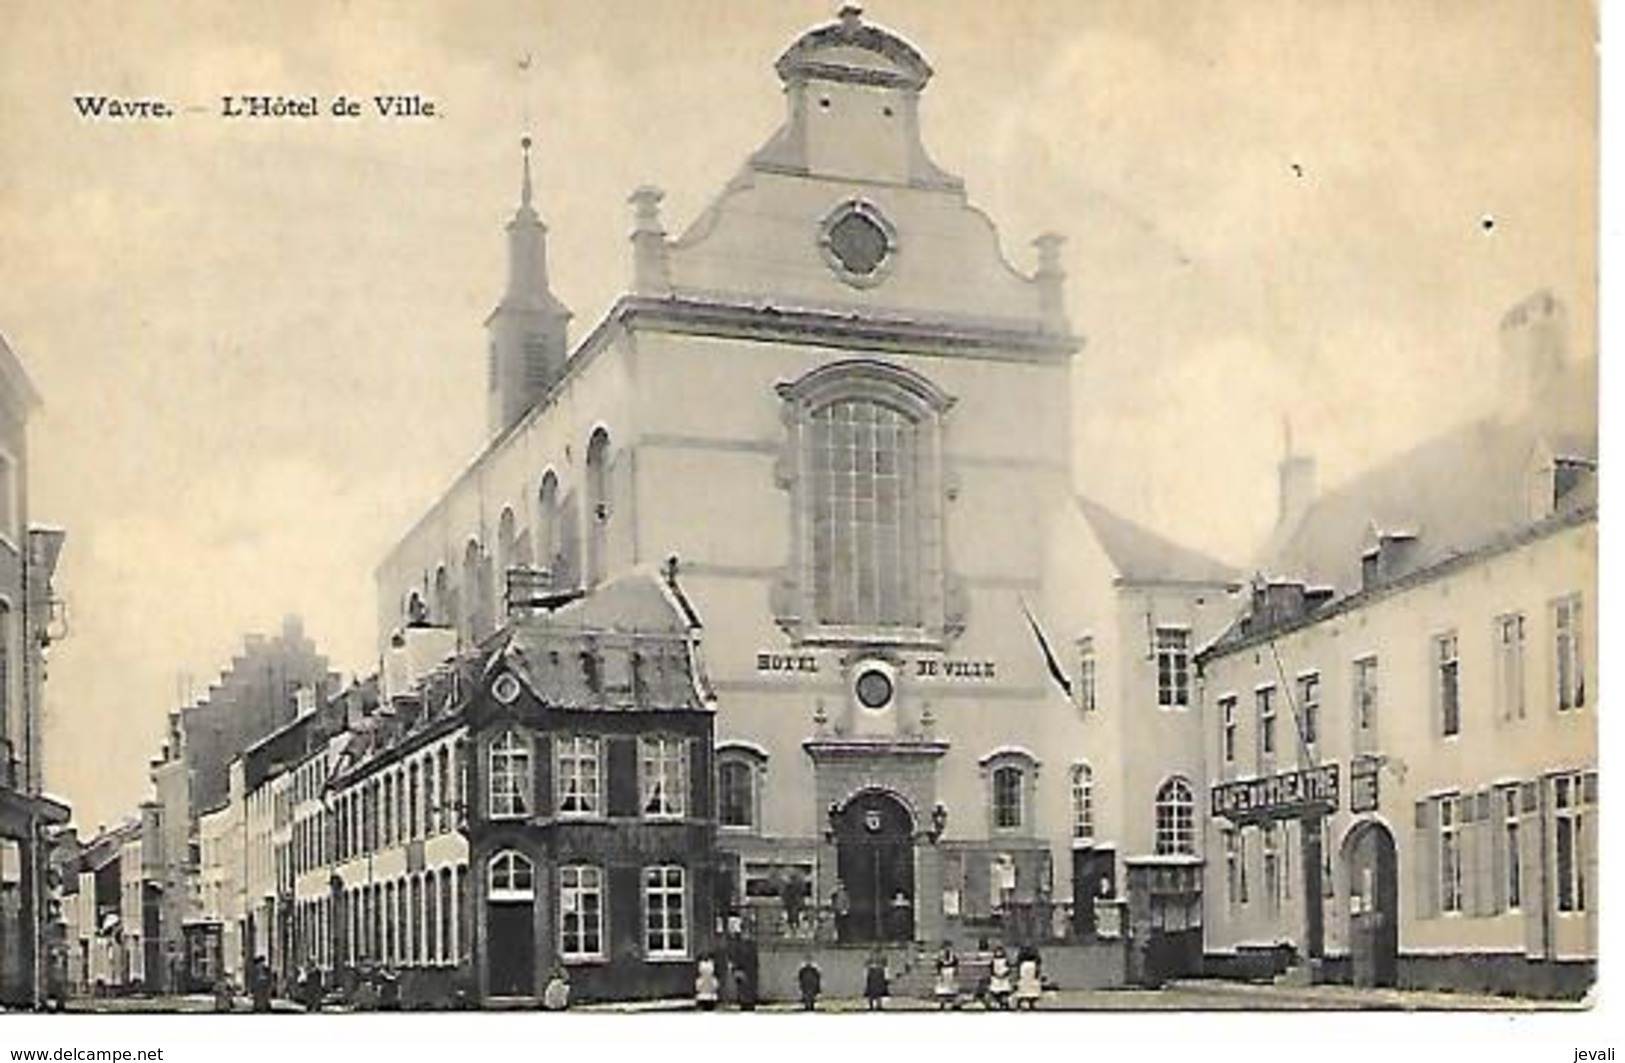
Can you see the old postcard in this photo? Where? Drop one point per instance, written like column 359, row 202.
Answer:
column 782, row 507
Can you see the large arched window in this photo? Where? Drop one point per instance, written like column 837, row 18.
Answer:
column 507, row 551
column 598, row 502
column 547, row 527
column 475, row 591
column 863, row 489
column 864, row 468
column 1176, row 822
column 510, row 792
column 512, row 877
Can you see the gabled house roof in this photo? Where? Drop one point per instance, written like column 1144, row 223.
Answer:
column 1140, row 555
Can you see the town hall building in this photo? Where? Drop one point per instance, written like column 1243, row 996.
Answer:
column 948, row 690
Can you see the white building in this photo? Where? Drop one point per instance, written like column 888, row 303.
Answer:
column 1428, row 640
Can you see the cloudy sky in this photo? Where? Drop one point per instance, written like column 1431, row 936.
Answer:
column 260, row 345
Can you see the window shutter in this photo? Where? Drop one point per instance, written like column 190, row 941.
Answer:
column 1427, row 859
column 623, row 912
column 1495, row 825
column 1531, row 854
column 1468, row 835
column 702, row 781
column 623, row 785
column 1484, row 872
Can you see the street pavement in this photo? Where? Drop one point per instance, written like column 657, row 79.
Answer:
column 1188, row 995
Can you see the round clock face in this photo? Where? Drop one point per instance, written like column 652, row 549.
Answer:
column 505, row 688
column 874, row 689
column 858, row 243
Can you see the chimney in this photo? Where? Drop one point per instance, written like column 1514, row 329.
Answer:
column 650, row 265
column 1534, row 349
column 1388, row 559
column 1051, row 280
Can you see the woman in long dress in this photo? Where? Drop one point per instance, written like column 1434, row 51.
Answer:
column 705, row 984
column 947, row 987
column 998, row 983
column 1029, row 987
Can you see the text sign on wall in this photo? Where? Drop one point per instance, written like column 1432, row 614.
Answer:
column 929, row 668
column 1364, row 795
column 1284, row 796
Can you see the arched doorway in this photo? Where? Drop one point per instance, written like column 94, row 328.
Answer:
column 874, row 838
column 510, row 926
column 1373, row 891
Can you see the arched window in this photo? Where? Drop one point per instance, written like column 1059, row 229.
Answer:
column 510, row 790
column 512, row 877
column 507, row 549
column 741, row 768
column 598, row 502
column 865, row 472
column 447, row 950
column 1176, row 825
column 547, row 527
column 1011, row 774
column 1083, row 802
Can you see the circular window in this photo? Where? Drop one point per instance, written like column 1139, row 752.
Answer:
column 874, row 689
column 859, row 243
column 505, row 688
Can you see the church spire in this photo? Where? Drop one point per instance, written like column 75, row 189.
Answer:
column 528, row 327
column 524, row 188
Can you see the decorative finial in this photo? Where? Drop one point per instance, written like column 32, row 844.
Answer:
column 851, row 17
column 524, row 189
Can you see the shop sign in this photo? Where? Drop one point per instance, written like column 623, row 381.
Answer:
column 1288, row 795
column 1364, row 795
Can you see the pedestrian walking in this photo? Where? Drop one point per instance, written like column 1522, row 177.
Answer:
column 947, row 987
column 810, row 980
column 876, row 986
column 1029, row 985
column 705, row 983
column 998, row 982
column 259, row 977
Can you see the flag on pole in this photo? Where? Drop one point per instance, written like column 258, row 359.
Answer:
column 1056, row 672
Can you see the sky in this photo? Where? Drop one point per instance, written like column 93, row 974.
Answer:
column 259, row 343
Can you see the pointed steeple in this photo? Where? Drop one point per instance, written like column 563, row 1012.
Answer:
column 528, row 327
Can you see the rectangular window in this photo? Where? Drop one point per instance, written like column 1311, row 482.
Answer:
column 1450, row 854
column 1568, row 660
column 1266, row 721
column 1173, row 667
column 581, row 913
column 663, row 769
column 579, row 778
column 1083, row 803
column 736, row 793
column 665, row 903
column 1086, row 674
column 1569, row 850
column 1513, row 884
column 1447, row 684
column 1007, row 783
column 511, row 785
column 1509, row 684
column 1227, row 723
column 1365, row 697
column 1309, row 707
column 1235, row 865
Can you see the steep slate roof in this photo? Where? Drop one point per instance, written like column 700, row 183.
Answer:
column 1142, row 556
column 625, row 646
column 1453, row 492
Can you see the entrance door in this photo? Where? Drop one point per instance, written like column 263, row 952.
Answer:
column 511, row 933
column 875, row 860
column 1373, row 869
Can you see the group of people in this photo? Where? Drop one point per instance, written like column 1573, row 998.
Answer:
column 1003, row 984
